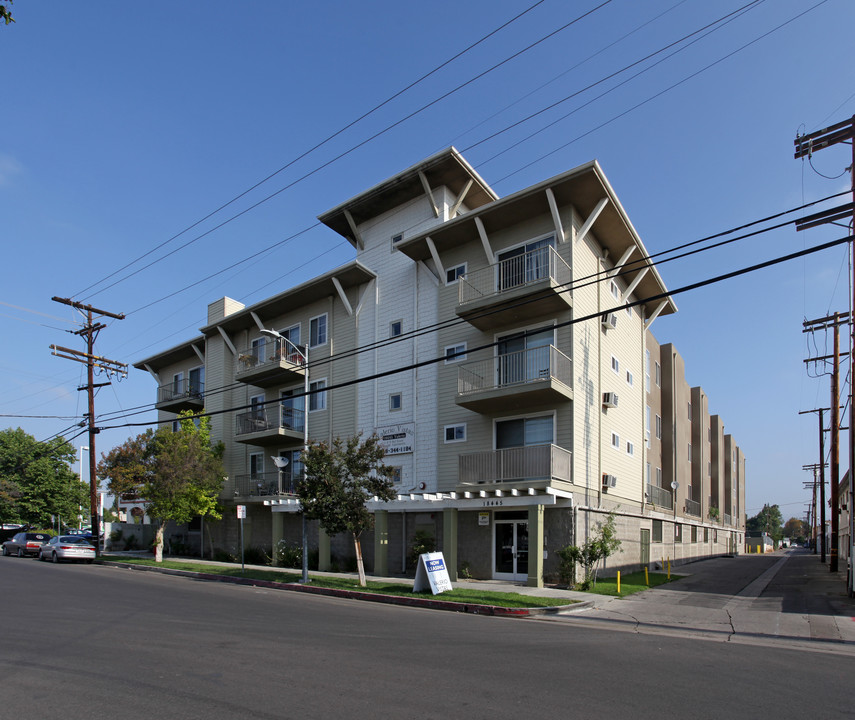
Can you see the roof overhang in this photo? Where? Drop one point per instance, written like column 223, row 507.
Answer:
column 446, row 168
column 583, row 188
column 172, row 355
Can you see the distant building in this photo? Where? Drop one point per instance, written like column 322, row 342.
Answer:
column 501, row 348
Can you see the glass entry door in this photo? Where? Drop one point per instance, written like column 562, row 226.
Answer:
column 510, row 550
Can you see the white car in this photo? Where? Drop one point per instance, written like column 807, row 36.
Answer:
column 67, row 547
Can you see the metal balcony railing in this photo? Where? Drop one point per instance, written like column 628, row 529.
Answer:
column 268, row 351
column 532, row 462
column 728, row 520
column 181, row 390
column 516, row 368
column 514, row 272
column 693, row 508
column 660, row 497
column 274, row 482
column 270, row 418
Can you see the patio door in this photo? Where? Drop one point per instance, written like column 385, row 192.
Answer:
column 510, row 547
column 523, row 357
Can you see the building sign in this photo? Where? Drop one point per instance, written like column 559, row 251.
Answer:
column 241, row 511
column 483, row 518
column 432, row 574
column 397, row 439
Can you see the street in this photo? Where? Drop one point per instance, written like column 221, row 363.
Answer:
column 97, row 641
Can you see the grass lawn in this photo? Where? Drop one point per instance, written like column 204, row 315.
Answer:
column 629, row 583
column 462, row 595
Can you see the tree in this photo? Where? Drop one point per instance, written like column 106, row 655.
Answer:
column 178, row 474
column 340, row 479
column 597, row 548
column 6, row 13
column 36, row 480
column 796, row 529
column 768, row 520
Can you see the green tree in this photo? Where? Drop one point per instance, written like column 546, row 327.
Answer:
column 796, row 529
column 6, row 13
column 340, row 479
column 178, row 474
column 603, row 543
column 769, row 520
column 36, row 480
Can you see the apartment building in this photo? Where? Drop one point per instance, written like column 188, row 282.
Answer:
column 502, row 350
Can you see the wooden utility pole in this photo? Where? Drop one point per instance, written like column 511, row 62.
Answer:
column 110, row 367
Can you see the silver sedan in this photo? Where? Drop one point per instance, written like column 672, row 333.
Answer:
column 67, row 547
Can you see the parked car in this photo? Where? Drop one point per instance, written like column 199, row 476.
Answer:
column 67, row 547
column 25, row 543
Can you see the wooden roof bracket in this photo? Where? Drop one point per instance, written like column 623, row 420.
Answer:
column 556, row 217
column 588, row 224
column 429, row 194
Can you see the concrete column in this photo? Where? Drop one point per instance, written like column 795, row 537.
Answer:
column 381, row 543
column 324, row 556
column 278, row 532
column 535, row 546
column 449, row 541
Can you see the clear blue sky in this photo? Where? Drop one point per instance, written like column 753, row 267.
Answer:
column 124, row 124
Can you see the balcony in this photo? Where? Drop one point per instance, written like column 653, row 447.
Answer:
column 693, row 507
column 660, row 497
column 180, row 395
column 522, row 379
column 516, row 465
column 266, row 484
column 728, row 520
column 496, row 295
column 270, row 425
column 269, row 362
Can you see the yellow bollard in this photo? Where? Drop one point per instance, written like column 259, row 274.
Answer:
column 646, row 577
column 669, row 568
column 618, row 582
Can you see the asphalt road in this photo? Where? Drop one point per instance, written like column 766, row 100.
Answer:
column 101, row 642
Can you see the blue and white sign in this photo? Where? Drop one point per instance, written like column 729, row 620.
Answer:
column 432, row 574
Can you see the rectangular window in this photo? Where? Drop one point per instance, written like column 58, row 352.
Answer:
column 694, row 533
column 197, row 381
column 256, row 464
column 647, row 370
column 455, row 433
column 318, row 395
column 630, row 448
column 690, row 412
column 656, row 535
column 658, row 427
column 395, row 402
column 395, row 475
column 615, row 364
column 616, row 441
column 647, row 474
column 678, row 533
column 690, row 452
column 658, row 477
column 522, row 432
column 455, row 353
column 318, row 331
column 658, row 369
column 706, row 534
column 647, row 425
column 709, row 468
column 397, row 238
column 628, row 310
column 452, row 275
column 615, row 290
column 396, row 328
column 629, row 378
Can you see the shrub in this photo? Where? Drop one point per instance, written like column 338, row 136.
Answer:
column 289, row 555
column 596, row 549
column 255, row 556
column 423, row 542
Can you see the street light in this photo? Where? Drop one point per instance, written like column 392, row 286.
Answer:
column 303, row 353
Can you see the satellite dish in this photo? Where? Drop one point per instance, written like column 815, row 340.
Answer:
column 279, row 462
column 675, row 485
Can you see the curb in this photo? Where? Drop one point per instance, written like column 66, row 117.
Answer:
column 447, row 605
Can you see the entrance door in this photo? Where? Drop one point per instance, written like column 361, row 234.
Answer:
column 510, row 550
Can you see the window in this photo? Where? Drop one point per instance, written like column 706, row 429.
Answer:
column 197, row 381
column 318, row 331
column 177, row 385
column 292, row 334
column 525, row 263
column 647, row 425
column 615, row 290
column 256, row 464
column 658, row 369
column 690, row 452
column 615, row 364
column 256, row 407
column 658, row 477
column 176, row 425
column 452, row 275
column 629, row 378
column 690, row 412
column 455, row 433
column 657, row 531
column 706, row 534
column 678, row 533
column 455, row 353
column 395, row 402
column 396, row 327
column 630, row 448
column 616, row 441
column 709, row 468
column 257, row 351
column 628, row 310
column 395, row 475
column 647, row 474
column 694, row 533
column 397, row 238
column 318, row 395
column 647, row 370
column 521, row 432
column 658, row 427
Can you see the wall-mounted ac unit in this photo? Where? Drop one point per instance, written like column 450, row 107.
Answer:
column 610, row 400
column 609, row 481
column 610, row 321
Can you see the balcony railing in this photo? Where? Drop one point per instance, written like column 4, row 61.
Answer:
column 515, row 272
column 532, row 462
column 728, row 520
column 274, row 482
column 267, row 359
column 271, row 418
column 660, row 497
column 693, row 507
column 184, row 390
column 516, row 368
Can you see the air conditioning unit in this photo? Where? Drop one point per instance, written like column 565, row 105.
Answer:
column 610, row 400
column 610, row 321
column 609, row 481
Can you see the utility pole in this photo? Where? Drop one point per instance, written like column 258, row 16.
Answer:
column 805, row 146
column 110, row 367
column 821, row 467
